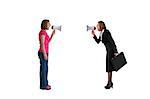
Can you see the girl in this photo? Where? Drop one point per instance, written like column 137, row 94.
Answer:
column 44, row 40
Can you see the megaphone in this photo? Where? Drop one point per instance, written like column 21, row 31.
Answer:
column 90, row 28
column 56, row 27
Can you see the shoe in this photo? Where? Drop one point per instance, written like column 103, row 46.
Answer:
column 109, row 85
column 48, row 87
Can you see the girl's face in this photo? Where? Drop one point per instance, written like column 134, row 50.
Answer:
column 48, row 25
column 100, row 26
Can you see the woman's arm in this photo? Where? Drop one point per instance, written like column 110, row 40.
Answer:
column 112, row 42
column 42, row 39
column 96, row 39
column 52, row 35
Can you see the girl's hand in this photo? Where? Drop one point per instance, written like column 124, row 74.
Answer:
column 52, row 35
column 45, row 57
column 53, row 32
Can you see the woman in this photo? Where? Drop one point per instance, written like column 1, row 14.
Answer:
column 106, row 38
column 43, row 53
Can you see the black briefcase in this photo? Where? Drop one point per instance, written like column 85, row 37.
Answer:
column 119, row 61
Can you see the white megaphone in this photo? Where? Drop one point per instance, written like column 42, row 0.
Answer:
column 90, row 28
column 56, row 27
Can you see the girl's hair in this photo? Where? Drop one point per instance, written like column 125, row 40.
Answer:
column 44, row 24
column 102, row 23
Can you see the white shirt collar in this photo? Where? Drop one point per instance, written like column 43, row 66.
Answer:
column 99, row 33
column 102, row 31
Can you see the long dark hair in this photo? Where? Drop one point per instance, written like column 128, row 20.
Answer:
column 44, row 24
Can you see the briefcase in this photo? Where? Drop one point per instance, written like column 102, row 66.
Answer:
column 119, row 61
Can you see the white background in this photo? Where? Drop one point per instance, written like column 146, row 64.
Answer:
column 76, row 62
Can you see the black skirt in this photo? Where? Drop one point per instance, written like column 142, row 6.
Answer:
column 109, row 56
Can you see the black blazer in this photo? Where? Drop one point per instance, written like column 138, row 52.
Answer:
column 107, row 40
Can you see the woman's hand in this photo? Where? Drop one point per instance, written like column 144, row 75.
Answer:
column 116, row 54
column 93, row 33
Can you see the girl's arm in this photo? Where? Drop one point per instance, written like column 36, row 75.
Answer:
column 52, row 35
column 42, row 39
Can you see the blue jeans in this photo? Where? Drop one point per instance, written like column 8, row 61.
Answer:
column 43, row 70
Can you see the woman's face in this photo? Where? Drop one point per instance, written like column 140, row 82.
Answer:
column 100, row 26
column 48, row 25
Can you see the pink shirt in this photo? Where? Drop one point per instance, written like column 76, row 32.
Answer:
column 46, row 42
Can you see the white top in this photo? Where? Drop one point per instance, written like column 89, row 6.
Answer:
column 99, row 34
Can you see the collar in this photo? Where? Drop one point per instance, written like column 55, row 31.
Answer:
column 102, row 31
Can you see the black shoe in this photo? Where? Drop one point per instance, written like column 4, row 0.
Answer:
column 109, row 85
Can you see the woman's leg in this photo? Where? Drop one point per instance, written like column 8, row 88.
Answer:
column 109, row 76
column 109, row 66
column 109, row 84
column 109, row 69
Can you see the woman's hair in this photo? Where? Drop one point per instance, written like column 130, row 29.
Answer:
column 102, row 23
column 44, row 24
